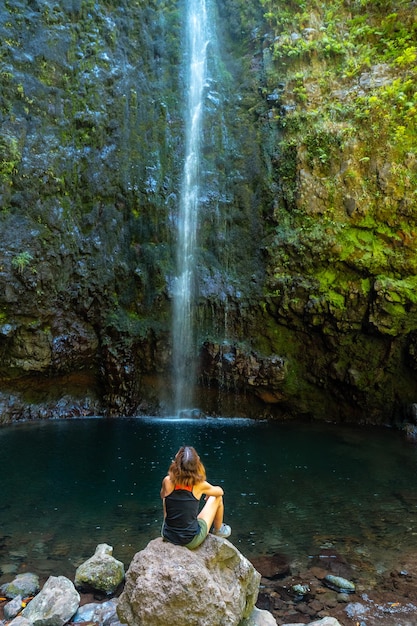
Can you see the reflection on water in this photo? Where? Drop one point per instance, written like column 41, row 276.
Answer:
column 289, row 488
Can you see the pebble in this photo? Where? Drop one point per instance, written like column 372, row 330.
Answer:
column 339, row 584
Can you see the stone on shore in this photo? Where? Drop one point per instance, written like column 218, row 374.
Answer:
column 103, row 614
column 24, row 585
column 13, row 608
column 54, row 605
column 325, row 621
column 259, row 617
column 101, row 572
column 167, row 584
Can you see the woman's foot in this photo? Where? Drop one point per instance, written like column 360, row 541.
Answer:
column 224, row 531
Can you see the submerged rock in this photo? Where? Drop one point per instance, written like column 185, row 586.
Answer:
column 300, row 590
column 339, row 584
column 325, row 621
column 272, row 567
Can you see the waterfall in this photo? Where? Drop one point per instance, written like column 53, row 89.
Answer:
column 184, row 349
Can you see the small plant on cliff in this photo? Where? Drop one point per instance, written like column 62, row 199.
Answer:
column 21, row 260
column 9, row 156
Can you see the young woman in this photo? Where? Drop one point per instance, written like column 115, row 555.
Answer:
column 181, row 491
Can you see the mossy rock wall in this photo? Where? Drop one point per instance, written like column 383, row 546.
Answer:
column 91, row 152
column 306, row 263
column 340, row 88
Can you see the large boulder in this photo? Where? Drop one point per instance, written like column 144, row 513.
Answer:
column 167, row 584
column 101, row 572
column 54, row 605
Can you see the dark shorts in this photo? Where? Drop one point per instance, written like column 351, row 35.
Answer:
column 197, row 539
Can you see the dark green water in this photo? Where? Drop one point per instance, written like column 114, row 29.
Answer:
column 289, row 488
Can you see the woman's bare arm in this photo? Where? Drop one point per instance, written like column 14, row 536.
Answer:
column 167, row 487
column 207, row 489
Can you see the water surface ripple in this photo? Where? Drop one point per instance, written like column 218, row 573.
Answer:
column 290, row 488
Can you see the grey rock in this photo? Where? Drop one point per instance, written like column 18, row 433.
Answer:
column 20, row 621
column 310, row 33
column 103, row 614
column 259, row 617
column 167, row 584
column 339, row 584
column 356, row 610
column 13, row 608
column 101, row 572
column 56, row 603
column 23, row 585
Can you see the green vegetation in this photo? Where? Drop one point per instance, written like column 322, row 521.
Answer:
column 22, row 260
column 10, row 155
column 346, row 160
column 322, row 48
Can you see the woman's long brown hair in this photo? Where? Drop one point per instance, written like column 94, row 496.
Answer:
column 187, row 469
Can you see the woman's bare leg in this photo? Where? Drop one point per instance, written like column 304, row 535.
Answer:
column 212, row 512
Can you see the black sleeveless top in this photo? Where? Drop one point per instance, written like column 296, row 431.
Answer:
column 181, row 525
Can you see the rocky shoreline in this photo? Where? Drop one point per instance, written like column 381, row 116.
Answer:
column 304, row 596
column 301, row 597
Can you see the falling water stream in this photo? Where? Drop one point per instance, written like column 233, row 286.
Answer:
column 291, row 488
column 184, row 292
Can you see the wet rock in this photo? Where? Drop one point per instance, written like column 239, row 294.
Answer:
column 339, row 584
column 273, row 567
column 103, row 614
column 14, row 407
column 24, row 585
column 54, row 605
column 356, row 610
column 13, row 608
column 101, row 572
column 300, row 590
column 310, row 33
column 379, row 75
column 229, row 366
column 410, row 432
column 329, row 561
column 258, row 617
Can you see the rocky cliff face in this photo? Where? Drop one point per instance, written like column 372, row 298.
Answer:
column 341, row 255
column 306, row 265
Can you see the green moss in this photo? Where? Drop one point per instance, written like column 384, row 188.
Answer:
column 403, row 291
